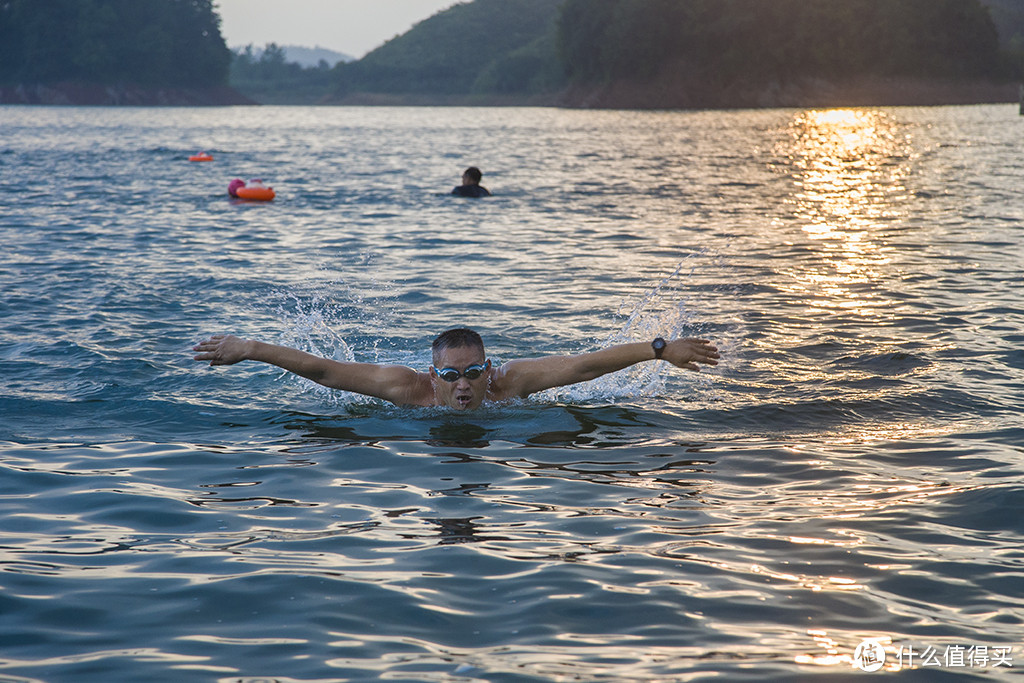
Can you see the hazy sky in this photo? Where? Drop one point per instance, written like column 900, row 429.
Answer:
column 351, row 26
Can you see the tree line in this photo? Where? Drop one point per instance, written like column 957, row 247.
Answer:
column 149, row 43
column 521, row 48
column 603, row 40
column 482, row 47
column 501, row 47
column 272, row 79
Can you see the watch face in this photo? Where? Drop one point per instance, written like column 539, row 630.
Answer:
column 659, row 346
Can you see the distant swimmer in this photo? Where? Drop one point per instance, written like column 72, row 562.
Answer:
column 461, row 377
column 471, row 186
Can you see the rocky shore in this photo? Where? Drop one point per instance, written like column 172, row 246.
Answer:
column 686, row 92
column 679, row 91
column 118, row 95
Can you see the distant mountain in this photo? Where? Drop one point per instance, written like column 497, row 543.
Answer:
column 273, row 78
column 697, row 54
column 303, row 56
column 736, row 53
column 482, row 48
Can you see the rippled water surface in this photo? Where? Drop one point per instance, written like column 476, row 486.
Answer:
column 852, row 470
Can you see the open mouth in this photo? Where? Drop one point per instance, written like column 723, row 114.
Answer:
column 463, row 400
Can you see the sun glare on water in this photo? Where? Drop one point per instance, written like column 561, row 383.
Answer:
column 848, row 168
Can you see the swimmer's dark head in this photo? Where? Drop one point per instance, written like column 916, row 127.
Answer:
column 457, row 338
column 474, row 174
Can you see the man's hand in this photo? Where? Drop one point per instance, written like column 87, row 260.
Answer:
column 222, row 350
column 686, row 353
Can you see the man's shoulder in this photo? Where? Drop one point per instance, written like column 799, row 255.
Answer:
column 411, row 387
column 471, row 191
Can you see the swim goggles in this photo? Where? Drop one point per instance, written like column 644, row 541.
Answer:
column 471, row 373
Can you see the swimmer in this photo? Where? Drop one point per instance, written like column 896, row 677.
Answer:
column 461, row 377
column 471, row 186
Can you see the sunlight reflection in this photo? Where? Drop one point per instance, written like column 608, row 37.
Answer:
column 814, row 583
column 830, row 654
column 849, row 168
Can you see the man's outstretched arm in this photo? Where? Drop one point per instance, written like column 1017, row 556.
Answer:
column 395, row 383
column 524, row 377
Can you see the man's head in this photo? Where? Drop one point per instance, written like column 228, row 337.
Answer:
column 472, row 176
column 461, row 372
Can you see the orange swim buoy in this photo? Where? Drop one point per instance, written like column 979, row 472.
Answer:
column 201, row 156
column 255, row 190
column 261, row 194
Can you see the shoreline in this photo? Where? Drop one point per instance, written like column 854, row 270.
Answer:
column 686, row 92
column 94, row 94
column 676, row 92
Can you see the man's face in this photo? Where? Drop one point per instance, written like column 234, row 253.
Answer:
column 463, row 393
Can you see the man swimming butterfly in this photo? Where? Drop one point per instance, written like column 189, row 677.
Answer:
column 461, row 377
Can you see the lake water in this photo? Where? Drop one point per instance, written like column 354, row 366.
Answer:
column 852, row 470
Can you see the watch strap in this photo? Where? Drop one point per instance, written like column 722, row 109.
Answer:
column 659, row 347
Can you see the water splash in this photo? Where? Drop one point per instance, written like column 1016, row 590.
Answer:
column 334, row 319
column 663, row 311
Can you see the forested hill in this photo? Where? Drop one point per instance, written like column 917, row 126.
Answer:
column 103, row 51
column 695, row 53
column 717, row 52
column 605, row 53
column 486, row 48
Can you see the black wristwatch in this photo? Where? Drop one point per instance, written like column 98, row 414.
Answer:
column 659, row 347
